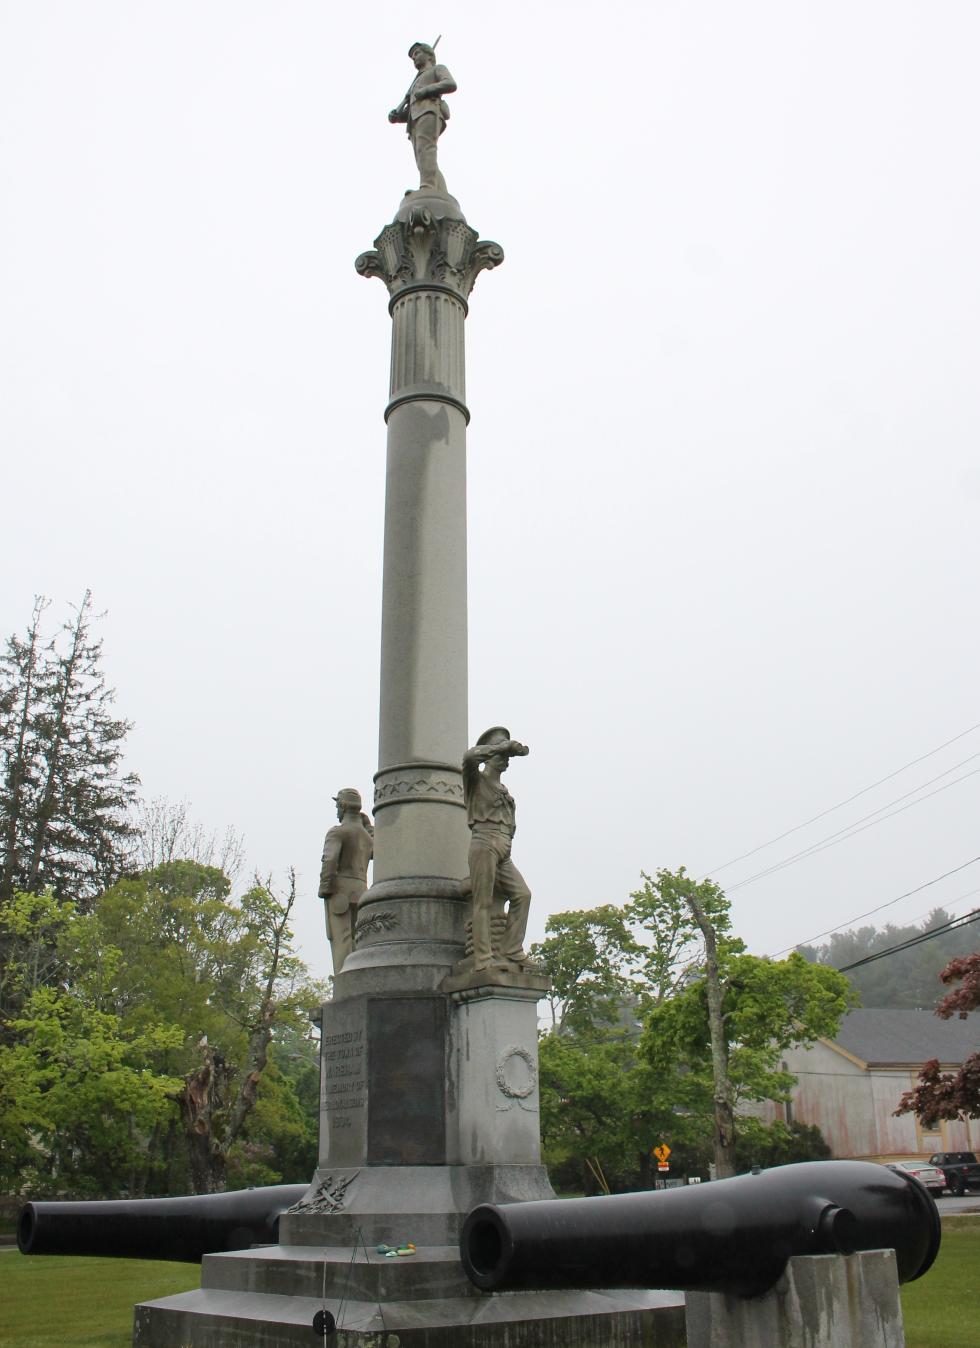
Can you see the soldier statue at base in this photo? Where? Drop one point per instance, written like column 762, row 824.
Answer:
column 491, row 815
column 347, row 849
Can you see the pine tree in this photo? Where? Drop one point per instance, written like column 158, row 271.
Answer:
column 18, row 744
column 64, row 801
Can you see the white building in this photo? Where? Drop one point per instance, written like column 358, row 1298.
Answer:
column 851, row 1087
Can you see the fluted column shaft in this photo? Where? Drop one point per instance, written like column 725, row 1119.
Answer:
column 420, row 829
column 411, row 920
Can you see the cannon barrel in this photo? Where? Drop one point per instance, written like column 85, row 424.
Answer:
column 734, row 1235
column 157, row 1228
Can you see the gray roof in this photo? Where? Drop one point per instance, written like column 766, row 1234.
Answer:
column 880, row 1036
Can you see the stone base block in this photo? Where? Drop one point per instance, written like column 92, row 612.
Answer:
column 821, row 1301
column 216, row 1319
column 267, row 1298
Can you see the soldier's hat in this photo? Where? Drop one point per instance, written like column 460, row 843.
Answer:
column 425, row 47
column 495, row 733
column 349, row 797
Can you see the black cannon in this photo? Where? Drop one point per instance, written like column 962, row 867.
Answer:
column 735, row 1235
column 157, row 1228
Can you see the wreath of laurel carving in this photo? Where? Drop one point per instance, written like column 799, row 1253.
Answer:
column 516, row 1094
column 383, row 921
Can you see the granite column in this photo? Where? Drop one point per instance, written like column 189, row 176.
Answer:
column 410, row 927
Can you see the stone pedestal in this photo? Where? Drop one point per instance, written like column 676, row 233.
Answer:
column 428, row 1102
column 821, row 1301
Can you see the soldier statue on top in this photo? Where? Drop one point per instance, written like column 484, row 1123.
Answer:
column 426, row 113
column 347, row 849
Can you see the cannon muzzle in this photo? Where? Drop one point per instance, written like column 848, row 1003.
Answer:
column 734, row 1235
column 157, row 1228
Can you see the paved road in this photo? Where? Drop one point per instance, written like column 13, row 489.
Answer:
column 969, row 1203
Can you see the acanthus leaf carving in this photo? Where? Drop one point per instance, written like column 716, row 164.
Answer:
column 424, row 249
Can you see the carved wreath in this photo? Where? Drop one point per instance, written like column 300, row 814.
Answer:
column 383, row 921
column 503, row 1085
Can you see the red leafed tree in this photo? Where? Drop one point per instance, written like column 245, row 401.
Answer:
column 950, row 1095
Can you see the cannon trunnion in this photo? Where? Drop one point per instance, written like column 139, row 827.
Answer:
column 734, row 1235
column 157, row 1228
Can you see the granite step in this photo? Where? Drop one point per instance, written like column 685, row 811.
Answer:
column 213, row 1318
column 303, row 1270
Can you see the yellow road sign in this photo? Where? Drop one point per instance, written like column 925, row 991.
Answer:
column 662, row 1152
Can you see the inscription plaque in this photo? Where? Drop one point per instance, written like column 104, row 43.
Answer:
column 343, row 1091
column 407, row 1080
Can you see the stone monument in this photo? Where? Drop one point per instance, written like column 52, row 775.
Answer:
column 429, row 1064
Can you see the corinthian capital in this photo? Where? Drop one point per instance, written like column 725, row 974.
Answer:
column 424, row 249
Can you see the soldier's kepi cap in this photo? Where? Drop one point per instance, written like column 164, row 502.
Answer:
column 425, row 47
column 349, row 797
column 495, row 733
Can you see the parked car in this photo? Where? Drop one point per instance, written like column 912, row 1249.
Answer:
column 961, row 1168
column 929, row 1175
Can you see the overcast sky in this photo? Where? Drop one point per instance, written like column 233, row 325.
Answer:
column 724, row 455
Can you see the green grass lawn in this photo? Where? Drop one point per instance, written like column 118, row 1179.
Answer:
column 942, row 1310
column 48, row 1302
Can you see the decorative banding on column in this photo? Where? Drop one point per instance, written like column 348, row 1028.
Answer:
column 429, row 285
column 426, row 395
column 441, row 783
column 412, row 887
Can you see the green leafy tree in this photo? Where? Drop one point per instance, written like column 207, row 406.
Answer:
column 590, row 957
column 77, row 1098
column 602, row 1109
column 769, row 1144
column 628, row 1062
column 225, row 972
column 30, row 927
column 174, row 1049
column 602, row 960
column 766, row 1007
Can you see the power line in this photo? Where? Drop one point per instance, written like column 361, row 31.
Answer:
column 947, row 907
column 840, row 804
column 921, row 939
column 887, row 904
column 859, row 826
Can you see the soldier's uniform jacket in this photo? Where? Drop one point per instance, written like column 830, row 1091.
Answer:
column 487, row 802
column 416, row 102
column 347, row 849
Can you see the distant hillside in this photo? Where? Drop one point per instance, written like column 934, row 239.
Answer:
column 908, row 980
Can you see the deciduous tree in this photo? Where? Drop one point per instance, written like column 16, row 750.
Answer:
column 602, row 1108
column 950, row 1095
column 172, row 1050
